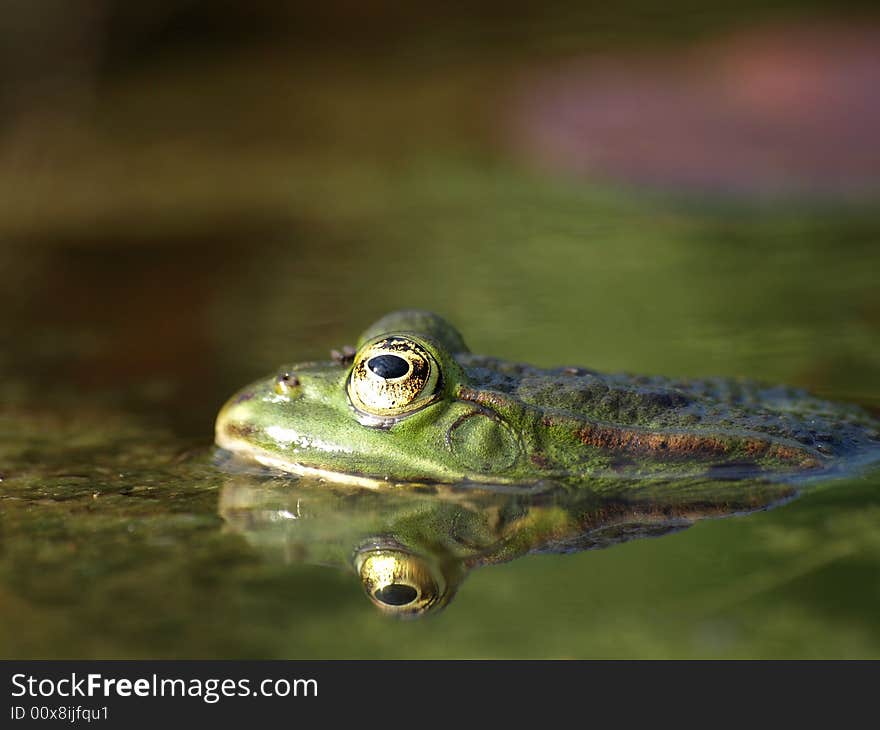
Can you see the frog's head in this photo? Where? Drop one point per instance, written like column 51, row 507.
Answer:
column 393, row 413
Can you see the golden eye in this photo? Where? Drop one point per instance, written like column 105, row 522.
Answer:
column 392, row 377
column 399, row 582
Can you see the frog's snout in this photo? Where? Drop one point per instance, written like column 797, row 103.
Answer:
column 230, row 425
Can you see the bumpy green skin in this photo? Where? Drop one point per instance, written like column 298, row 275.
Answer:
column 506, row 423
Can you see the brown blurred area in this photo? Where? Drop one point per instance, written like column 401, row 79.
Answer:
column 782, row 110
column 113, row 111
column 159, row 159
column 54, row 50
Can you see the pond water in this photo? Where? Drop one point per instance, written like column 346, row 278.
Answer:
column 161, row 266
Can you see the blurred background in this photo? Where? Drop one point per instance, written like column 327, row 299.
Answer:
column 194, row 192
column 174, row 173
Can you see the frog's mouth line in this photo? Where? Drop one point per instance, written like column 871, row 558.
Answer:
column 244, row 449
column 226, row 439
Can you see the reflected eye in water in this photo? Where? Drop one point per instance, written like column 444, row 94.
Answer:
column 393, row 377
column 398, row 582
column 397, row 594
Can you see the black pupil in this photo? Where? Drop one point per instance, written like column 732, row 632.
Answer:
column 388, row 366
column 397, row 594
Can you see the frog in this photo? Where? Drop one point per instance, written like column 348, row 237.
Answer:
column 411, row 404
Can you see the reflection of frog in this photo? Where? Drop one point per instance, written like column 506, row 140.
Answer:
column 412, row 548
column 412, row 404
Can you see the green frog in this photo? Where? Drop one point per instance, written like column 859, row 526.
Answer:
column 411, row 404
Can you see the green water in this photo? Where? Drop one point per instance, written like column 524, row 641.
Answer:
column 164, row 265
column 112, row 545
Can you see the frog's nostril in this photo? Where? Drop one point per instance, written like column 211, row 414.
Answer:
column 286, row 382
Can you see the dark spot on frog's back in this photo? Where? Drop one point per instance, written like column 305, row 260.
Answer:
column 244, row 397
column 665, row 400
column 733, row 470
column 540, row 461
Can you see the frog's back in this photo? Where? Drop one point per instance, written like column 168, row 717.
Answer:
column 692, row 413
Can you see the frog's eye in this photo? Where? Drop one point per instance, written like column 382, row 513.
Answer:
column 398, row 582
column 393, row 377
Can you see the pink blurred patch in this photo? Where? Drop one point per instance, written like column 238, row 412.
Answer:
column 781, row 111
